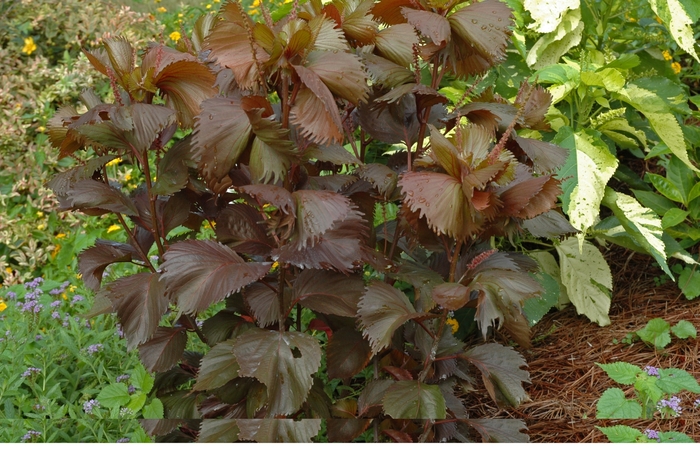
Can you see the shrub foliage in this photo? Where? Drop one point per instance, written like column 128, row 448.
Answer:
column 355, row 211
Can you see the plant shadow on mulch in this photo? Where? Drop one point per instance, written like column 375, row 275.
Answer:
column 566, row 382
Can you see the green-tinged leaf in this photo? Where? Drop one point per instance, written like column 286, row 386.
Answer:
column 664, row 123
column 675, row 380
column 500, row 430
column 218, row 431
column 684, row 329
column 141, row 379
column 665, row 187
column 656, row 332
column 621, row 372
column 500, row 370
column 612, row 404
column 551, row 46
column 154, row 410
column 93, row 261
column 272, row 152
column 537, row 307
column 682, row 178
column 382, row 310
column 595, row 165
column 172, row 169
column 345, row 429
column 200, row 273
column 138, row 400
column 674, row 437
column 114, row 395
column 548, row 264
column 609, row 78
column 620, row 433
column 283, row 362
column 370, row 401
column 587, row 279
column 659, row 204
column 673, row 217
column 341, row 72
column 218, row 367
column 413, row 399
column 694, row 192
column 641, row 223
column 395, row 43
column 678, row 22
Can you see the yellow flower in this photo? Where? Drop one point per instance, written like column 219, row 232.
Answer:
column 180, row 15
column 162, row 9
column 113, row 228
column 29, row 46
column 41, row 129
column 676, row 67
column 39, row 214
column 255, row 3
column 175, row 36
column 659, row 20
column 116, row 161
column 454, row 323
column 3, row 306
column 41, row 227
column 79, row 276
column 208, row 6
column 274, row 266
column 55, row 251
column 254, row 11
column 8, row 270
column 65, row 297
column 217, row 1
column 667, row 55
column 73, row 287
column 60, row 236
column 127, row 176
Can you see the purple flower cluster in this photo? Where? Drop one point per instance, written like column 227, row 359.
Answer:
column 55, row 315
column 39, row 407
column 56, row 303
column 674, row 404
column 38, row 337
column 61, row 289
column 131, row 389
column 11, row 295
column 34, row 283
column 31, row 298
column 30, row 434
column 77, row 298
column 123, row 440
column 651, row 371
column 121, row 378
column 29, row 371
column 90, row 404
column 652, row 434
column 93, row 349
column 120, row 330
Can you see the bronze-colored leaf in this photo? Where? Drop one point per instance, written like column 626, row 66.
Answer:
column 396, row 43
column 93, row 261
column 316, row 212
column 358, row 24
column 383, row 178
column 369, row 404
column 272, row 152
column 451, row 296
column 218, row 430
column 328, row 292
column 342, row 73
column 221, row 134
column 218, row 367
column 239, row 226
column 164, row 349
column 500, row 372
column 382, row 310
column 315, row 110
column 278, row 430
column 390, row 11
column 140, row 302
column 200, row 273
column 172, row 169
column 528, row 196
column 546, row 157
column 430, row 24
column 283, row 361
column 89, row 194
column 263, row 303
column 413, row 399
column 485, row 25
column 345, row 429
column 385, row 73
column 499, row 429
column 348, row 353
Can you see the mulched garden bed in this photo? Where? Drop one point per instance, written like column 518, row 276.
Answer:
column 566, row 382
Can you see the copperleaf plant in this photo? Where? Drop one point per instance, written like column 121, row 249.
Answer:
column 262, row 130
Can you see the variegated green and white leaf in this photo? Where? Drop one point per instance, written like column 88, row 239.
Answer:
column 551, row 46
column 587, row 278
column 678, row 22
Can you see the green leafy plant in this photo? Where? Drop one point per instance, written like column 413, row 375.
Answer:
column 657, row 332
column 292, row 135
column 654, row 388
column 627, row 434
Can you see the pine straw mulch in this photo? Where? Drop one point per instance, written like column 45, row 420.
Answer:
column 566, row 382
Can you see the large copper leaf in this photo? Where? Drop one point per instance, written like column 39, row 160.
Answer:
column 283, row 361
column 382, row 310
column 200, row 273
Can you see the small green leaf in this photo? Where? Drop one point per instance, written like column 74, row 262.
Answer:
column 621, row 372
column 673, row 217
column 141, row 379
column 138, row 400
column 154, row 410
column 658, row 203
column 656, row 332
column 620, row 433
column 537, row 307
column 413, row 399
column 612, row 404
column 689, row 283
column 674, row 437
column 674, row 380
column 684, row 329
column 665, row 187
column 114, row 396
column 694, row 192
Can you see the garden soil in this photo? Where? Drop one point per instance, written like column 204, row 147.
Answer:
column 567, row 383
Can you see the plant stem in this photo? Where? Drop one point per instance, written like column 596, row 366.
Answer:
column 280, row 296
column 154, row 213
